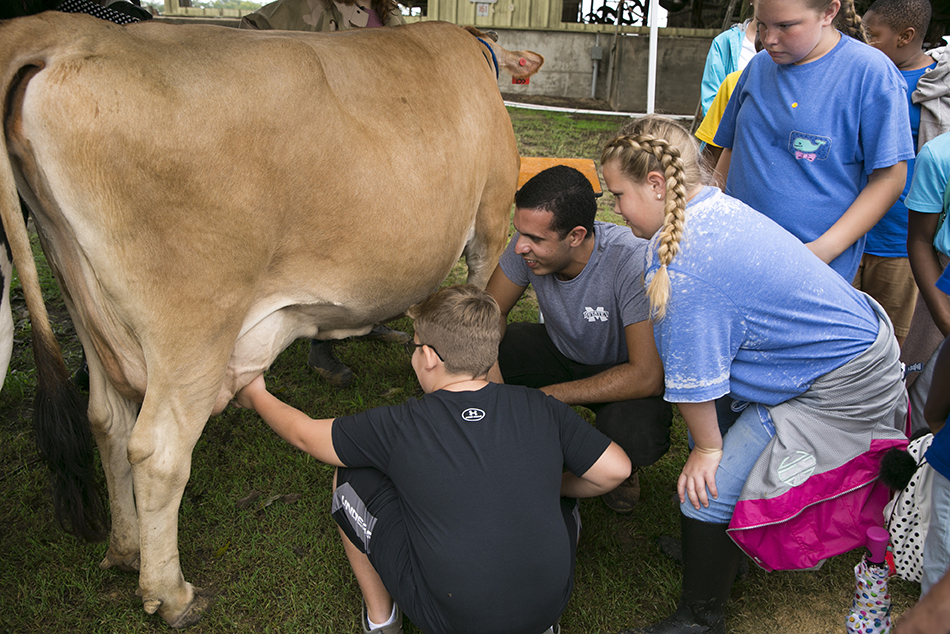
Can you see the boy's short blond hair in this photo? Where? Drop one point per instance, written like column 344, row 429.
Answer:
column 463, row 323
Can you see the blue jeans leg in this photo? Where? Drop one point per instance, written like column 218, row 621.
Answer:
column 741, row 447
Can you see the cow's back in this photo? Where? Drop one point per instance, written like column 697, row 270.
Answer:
column 337, row 172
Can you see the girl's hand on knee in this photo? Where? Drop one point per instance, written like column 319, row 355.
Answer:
column 699, row 473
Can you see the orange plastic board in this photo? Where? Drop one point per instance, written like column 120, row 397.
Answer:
column 531, row 165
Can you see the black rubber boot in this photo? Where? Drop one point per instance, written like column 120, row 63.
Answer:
column 673, row 549
column 324, row 362
column 710, row 561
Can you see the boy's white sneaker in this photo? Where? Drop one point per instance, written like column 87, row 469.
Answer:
column 392, row 628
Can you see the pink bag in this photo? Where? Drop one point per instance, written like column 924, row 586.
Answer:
column 828, row 514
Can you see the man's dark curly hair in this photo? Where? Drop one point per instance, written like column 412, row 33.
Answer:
column 566, row 193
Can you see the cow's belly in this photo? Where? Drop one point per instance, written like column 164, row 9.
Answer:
column 267, row 337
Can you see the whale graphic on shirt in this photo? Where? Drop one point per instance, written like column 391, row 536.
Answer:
column 804, row 145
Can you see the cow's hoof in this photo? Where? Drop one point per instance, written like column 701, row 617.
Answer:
column 339, row 376
column 125, row 563
column 193, row 612
column 200, row 601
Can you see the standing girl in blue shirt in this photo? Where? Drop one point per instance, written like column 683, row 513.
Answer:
column 742, row 308
column 817, row 131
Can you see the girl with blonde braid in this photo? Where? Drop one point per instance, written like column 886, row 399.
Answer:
column 746, row 314
column 816, row 133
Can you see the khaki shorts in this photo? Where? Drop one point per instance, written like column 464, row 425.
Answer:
column 891, row 282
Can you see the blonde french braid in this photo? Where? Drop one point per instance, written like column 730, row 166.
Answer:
column 638, row 155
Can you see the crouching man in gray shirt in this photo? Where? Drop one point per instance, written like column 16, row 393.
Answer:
column 595, row 347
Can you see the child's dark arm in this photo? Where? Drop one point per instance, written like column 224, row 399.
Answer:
column 301, row 431
column 938, row 400
column 921, row 228
column 612, row 468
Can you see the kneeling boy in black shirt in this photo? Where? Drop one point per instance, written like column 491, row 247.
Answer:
column 456, row 506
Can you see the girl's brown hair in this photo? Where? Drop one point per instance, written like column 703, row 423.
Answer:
column 385, row 8
column 847, row 21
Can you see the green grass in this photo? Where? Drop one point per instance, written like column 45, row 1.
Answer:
column 280, row 568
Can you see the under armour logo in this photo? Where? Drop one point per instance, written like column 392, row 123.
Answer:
column 473, row 414
column 591, row 314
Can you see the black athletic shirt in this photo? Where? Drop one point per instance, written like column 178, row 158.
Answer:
column 479, row 475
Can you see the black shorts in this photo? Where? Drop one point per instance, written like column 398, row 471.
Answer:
column 527, row 356
column 366, row 506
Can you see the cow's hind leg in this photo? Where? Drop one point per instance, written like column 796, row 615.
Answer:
column 494, row 208
column 165, row 434
column 491, row 234
column 111, row 417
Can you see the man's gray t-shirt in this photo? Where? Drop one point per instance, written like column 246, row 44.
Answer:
column 586, row 316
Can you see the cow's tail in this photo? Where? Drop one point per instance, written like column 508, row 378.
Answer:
column 60, row 419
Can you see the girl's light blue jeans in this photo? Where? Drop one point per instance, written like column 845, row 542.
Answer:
column 742, row 443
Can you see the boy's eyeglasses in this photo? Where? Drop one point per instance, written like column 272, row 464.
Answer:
column 412, row 345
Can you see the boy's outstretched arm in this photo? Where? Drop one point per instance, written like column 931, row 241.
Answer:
column 612, row 468
column 301, row 431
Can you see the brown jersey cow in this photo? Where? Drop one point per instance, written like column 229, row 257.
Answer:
column 205, row 196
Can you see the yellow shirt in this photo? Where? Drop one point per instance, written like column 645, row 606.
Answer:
column 707, row 129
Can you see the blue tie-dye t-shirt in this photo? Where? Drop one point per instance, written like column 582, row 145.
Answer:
column 752, row 312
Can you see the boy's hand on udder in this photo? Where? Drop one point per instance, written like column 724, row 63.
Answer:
column 245, row 396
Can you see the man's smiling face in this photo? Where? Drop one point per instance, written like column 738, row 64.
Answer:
column 544, row 251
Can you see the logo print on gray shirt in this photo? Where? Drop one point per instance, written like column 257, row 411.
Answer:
column 591, row 314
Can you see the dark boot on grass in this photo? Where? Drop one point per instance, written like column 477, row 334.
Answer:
column 325, row 363
column 710, row 561
column 624, row 498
